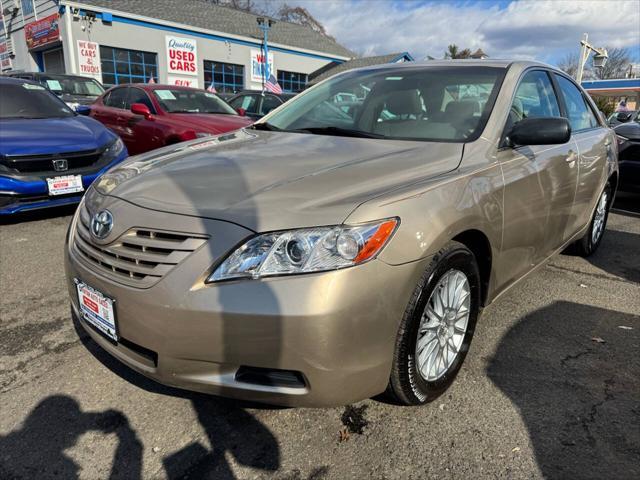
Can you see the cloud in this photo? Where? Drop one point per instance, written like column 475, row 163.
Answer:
column 541, row 30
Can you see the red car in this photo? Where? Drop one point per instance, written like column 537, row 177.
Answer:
column 151, row 116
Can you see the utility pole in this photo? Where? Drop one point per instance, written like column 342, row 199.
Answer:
column 265, row 25
column 599, row 59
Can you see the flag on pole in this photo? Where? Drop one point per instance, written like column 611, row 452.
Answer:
column 211, row 88
column 272, row 85
column 151, row 80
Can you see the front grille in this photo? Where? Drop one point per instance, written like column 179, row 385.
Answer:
column 44, row 163
column 139, row 257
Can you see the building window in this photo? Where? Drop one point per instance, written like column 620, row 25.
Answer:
column 227, row 77
column 292, row 81
column 127, row 66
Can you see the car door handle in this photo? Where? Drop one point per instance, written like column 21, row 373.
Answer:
column 572, row 157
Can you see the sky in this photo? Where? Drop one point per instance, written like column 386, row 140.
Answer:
column 544, row 30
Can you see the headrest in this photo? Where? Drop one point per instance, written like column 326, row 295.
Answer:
column 462, row 109
column 404, row 102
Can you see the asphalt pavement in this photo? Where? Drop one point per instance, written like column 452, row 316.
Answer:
column 550, row 389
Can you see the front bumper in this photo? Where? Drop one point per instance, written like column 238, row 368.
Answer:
column 23, row 193
column 336, row 330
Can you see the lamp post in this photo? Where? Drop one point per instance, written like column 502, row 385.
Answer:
column 265, row 25
column 599, row 59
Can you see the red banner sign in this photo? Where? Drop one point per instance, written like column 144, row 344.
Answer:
column 42, row 32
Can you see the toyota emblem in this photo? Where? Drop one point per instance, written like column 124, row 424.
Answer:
column 101, row 224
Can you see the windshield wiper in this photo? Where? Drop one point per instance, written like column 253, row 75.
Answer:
column 339, row 131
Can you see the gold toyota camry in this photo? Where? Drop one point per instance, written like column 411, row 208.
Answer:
column 337, row 250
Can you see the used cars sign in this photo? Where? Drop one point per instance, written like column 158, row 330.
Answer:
column 182, row 56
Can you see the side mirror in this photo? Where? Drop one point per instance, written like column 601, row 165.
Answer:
column 540, row 131
column 623, row 117
column 241, row 111
column 141, row 109
column 83, row 110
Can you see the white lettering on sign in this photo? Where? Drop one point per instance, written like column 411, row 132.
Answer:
column 182, row 55
column 258, row 66
column 89, row 59
column 183, row 81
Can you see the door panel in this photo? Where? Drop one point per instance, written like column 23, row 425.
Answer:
column 140, row 134
column 539, row 187
column 593, row 153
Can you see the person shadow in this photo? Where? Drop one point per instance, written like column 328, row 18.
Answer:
column 37, row 450
column 573, row 371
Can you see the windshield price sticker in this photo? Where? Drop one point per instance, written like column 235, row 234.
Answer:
column 165, row 94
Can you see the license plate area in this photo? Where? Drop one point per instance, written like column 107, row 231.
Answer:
column 97, row 309
column 65, row 184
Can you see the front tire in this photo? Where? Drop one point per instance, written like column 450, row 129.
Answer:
column 588, row 244
column 437, row 327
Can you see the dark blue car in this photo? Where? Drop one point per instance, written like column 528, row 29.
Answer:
column 48, row 153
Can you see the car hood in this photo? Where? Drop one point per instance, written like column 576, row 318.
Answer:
column 51, row 135
column 272, row 180
column 209, row 122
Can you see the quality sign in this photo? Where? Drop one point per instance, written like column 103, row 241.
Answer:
column 182, row 55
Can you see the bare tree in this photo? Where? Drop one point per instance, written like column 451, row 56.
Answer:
column 616, row 66
column 301, row 16
column 569, row 64
column 454, row 52
column 286, row 13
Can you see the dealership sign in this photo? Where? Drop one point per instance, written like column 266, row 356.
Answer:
column 42, row 32
column 183, row 81
column 182, row 55
column 258, row 65
column 89, row 59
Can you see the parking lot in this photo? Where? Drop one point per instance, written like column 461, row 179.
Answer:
column 550, row 389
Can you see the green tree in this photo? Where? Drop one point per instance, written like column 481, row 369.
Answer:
column 454, row 52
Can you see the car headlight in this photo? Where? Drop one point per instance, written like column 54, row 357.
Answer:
column 305, row 250
column 113, row 150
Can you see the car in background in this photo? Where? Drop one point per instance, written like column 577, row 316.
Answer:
column 628, row 135
column 618, row 118
column 149, row 116
column 256, row 104
column 74, row 90
column 48, row 153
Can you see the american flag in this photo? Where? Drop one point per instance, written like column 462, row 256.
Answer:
column 272, row 86
column 151, row 80
column 211, row 88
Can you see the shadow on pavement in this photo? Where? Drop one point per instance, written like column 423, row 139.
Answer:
column 618, row 254
column 578, row 397
column 37, row 450
column 229, row 427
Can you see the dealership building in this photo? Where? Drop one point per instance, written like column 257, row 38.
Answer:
column 186, row 42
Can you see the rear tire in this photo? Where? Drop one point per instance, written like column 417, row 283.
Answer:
column 588, row 244
column 433, row 324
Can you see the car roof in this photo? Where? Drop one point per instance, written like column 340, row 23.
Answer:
column 253, row 92
column 156, row 86
column 426, row 64
column 4, row 80
column 48, row 74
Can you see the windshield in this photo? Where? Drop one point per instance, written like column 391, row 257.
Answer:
column 448, row 104
column 72, row 85
column 192, row 101
column 26, row 100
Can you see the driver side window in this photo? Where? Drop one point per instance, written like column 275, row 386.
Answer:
column 534, row 97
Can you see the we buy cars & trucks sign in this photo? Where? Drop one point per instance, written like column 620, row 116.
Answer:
column 89, row 59
column 182, row 59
